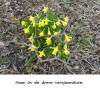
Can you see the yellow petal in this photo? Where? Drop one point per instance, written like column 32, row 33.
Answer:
column 54, row 26
column 41, row 34
column 48, row 41
column 31, row 18
column 65, row 46
column 33, row 24
column 32, row 47
column 68, row 38
column 46, row 21
column 39, row 25
column 55, row 33
column 31, row 39
column 49, row 33
column 42, row 23
column 45, row 10
column 64, row 23
column 66, row 52
column 23, row 23
column 66, row 19
column 58, row 23
column 54, row 52
column 26, row 31
column 41, row 54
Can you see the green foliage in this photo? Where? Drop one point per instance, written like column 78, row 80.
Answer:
column 46, row 32
column 30, row 59
column 1, row 59
column 1, row 23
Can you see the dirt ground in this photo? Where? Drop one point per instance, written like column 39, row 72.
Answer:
column 85, row 46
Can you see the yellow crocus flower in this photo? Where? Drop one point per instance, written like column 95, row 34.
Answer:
column 64, row 23
column 31, row 18
column 46, row 21
column 48, row 41
column 26, row 31
column 41, row 54
column 32, row 47
column 68, row 38
column 55, row 33
column 42, row 23
column 66, row 52
column 54, row 26
column 58, row 23
column 41, row 34
column 65, row 46
column 31, row 39
column 55, row 50
column 49, row 33
column 45, row 10
column 34, row 24
column 66, row 19
column 39, row 25
column 23, row 23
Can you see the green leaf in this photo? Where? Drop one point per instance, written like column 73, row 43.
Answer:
column 67, row 57
column 30, row 59
column 61, row 3
column 1, row 59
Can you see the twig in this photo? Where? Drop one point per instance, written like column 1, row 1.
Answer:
column 92, row 66
column 41, row 60
column 3, row 70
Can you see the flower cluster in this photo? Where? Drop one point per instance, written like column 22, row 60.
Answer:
column 46, row 34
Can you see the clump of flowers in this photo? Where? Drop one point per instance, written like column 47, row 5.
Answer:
column 46, row 34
